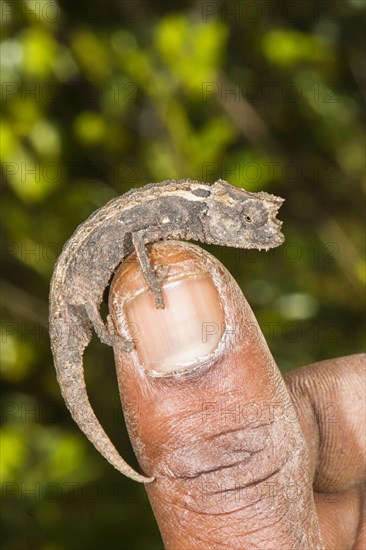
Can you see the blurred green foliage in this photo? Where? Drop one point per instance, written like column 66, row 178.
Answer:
column 102, row 96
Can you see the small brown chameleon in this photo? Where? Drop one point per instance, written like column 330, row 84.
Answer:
column 216, row 213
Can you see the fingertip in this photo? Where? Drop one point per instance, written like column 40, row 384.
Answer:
column 204, row 425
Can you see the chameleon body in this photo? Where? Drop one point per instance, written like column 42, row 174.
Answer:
column 216, row 213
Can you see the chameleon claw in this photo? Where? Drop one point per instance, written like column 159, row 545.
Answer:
column 159, row 300
column 116, row 340
column 127, row 345
column 162, row 272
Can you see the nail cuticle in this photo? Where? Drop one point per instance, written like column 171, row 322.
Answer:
column 167, row 283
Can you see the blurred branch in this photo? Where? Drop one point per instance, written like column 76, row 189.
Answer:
column 348, row 257
column 357, row 66
column 24, row 304
column 246, row 119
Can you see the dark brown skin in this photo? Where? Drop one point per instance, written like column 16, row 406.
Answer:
column 243, row 459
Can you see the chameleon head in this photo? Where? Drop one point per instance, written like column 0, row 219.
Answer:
column 242, row 219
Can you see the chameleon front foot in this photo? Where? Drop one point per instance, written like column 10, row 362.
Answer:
column 160, row 274
column 154, row 283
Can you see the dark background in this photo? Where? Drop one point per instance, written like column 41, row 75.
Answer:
column 100, row 96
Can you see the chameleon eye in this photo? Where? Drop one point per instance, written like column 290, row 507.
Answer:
column 248, row 219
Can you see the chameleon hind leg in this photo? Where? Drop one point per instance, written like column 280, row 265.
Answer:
column 107, row 335
column 154, row 280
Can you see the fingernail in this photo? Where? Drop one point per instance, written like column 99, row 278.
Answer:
column 187, row 330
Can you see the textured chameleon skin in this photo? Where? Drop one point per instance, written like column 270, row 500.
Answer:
column 216, row 213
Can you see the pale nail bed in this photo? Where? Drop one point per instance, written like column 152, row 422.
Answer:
column 185, row 332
